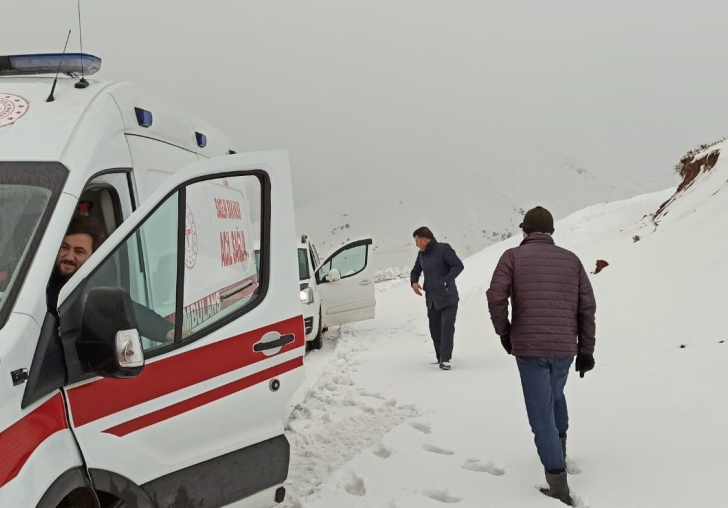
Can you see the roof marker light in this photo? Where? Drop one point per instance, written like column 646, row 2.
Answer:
column 144, row 117
column 49, row 63
column 201, row 139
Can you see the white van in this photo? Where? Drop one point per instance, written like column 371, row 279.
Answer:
column 93, row 412
column 338, row 290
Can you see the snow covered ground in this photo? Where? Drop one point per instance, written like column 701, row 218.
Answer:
column 379, row 426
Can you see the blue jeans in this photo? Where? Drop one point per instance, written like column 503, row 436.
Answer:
column 543, row 381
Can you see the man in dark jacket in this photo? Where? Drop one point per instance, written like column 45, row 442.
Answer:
column 82, row 238
column 552, row 321
column 441, row 266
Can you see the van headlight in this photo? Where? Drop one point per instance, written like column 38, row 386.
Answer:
column 307, row 295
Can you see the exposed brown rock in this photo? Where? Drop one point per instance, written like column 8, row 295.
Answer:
column 690, row 166
column 601, row 265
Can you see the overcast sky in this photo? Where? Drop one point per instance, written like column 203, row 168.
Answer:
column 359, row 91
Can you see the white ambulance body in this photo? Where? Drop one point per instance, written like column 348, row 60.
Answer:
column 94, row 410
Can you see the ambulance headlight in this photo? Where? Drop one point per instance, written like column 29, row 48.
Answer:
column 307, row 295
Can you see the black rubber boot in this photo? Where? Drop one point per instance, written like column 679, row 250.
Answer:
column 558, row 487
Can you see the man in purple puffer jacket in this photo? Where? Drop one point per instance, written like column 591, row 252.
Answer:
column 552, row 321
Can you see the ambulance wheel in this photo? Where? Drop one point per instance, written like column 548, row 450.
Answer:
column 318, row 341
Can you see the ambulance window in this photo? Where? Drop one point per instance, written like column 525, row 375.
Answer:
column 148, row 258
column 102, row 205
column 222, row 225
column 107, row 201
column 189, row 276
column 107, row 198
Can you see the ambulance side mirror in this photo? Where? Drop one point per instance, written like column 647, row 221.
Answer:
column 109, row 344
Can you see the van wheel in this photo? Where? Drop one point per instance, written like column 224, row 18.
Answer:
column 318, row 341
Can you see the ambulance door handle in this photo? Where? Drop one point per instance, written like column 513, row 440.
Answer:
column 274, row 344
column 365, row 282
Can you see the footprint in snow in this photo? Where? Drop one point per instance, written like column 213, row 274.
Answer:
column 425, row 428
column 379, row 396
column 355, row 486
column 373, row 395
column 436, row 449
column 479, row 467
column 382, row 452
column 441, row 495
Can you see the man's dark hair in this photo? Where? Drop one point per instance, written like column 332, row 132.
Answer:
column 423, row 232
column 82, row 225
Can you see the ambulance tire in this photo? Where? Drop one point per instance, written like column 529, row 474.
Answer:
column 70, row 490
column 318, row 341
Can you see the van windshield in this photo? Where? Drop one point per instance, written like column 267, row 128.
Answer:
column 24, row 201
column 303, row 273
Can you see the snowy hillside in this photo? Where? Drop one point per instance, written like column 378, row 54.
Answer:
column 468, row 207
column 383, row 428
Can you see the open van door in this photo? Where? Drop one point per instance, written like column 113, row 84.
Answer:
column 346, row 284
column 178, row 380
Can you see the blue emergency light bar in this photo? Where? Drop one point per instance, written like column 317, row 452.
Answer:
column 49, row 63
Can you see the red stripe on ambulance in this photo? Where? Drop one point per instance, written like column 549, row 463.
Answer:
column 205, row 398
column 104, row 397
column 20, row 440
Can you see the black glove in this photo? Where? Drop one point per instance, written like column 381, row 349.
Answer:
column 584, row 363
column 506, row 341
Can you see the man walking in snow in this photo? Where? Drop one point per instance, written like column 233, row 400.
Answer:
column 552, row 321
column 441, row 266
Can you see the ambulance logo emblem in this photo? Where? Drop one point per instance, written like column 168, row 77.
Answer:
column 190, row 239
column 12, row 108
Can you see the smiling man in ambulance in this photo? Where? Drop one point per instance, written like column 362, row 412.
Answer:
column 82, row 238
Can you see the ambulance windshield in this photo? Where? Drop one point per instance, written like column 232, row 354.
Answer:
column 22, row 208
column 28, row 193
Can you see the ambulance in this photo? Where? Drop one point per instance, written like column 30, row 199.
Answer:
column 95, row 410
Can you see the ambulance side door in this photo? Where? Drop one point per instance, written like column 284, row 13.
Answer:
column 222, row 340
